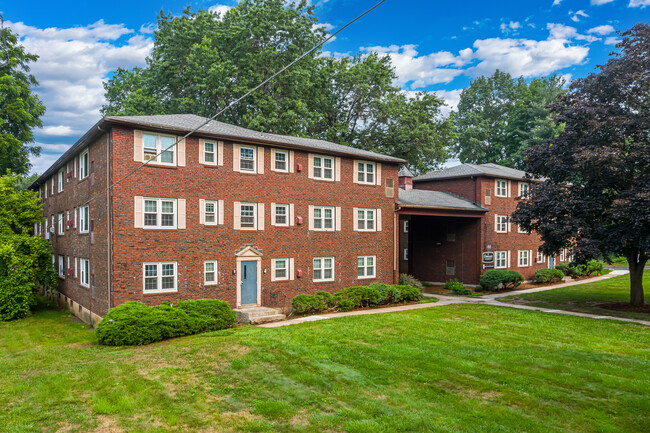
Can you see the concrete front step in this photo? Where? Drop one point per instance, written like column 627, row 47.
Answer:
column 257, row 315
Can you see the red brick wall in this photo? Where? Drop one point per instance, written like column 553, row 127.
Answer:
column 192, row 246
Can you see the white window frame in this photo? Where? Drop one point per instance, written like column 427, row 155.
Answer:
column 285, row 268
column 84, row 274
column 241, row 216
column 159, row 213
column 84, row 219
column 501, row 223
column 84, row 164
column 215, row 271
column 322, row 167
column 365, row 220
column 286, row 160
column 500, row 255
column 406, row 226
column 248, row 170
column 563, row 255
column 159, row 277
column 524, row 185
column 362, row 264
column 322, row 218
column 286, row 215
column 500, row 190
column 62, row 266
column 61, row 181
column 215, row 205
column 540, row 257
column 61, row 223
column 322, row 268
column 52, row 186
column 214, row 153
column 362, row 172
column 159, row 148
column 76, row 262
column 520, row 230
column 523, row 258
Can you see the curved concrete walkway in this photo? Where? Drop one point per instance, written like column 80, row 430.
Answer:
column 491, row 299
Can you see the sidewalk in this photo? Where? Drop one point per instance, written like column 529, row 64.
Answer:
column 486, row 300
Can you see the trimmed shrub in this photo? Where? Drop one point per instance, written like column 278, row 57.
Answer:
column 305, row 304
column 357, row 297
column 499, row 278
column 574, row 269
column 410, row 280
column 409, row 293
column 548, row 275
column 457, row 287
column 566, row 269
column 327, row 299
column 388, row 294
column 134, row 323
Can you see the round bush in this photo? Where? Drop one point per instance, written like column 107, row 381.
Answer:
column 388, row 294
column 409, row 293
column 357, row 297
column 305, row 304
column 499, row 278
column 548, row 275
column 457, row 287
column 326, row 299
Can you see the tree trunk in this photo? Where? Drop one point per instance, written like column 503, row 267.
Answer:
column 637, row 263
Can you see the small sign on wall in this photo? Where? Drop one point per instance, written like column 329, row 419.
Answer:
column 488, row 266
column 488, row 258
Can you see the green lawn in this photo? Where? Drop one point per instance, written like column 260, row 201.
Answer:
column 585, row 297
column 457, row 368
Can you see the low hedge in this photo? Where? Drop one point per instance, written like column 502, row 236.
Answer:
column 574, row 269
column 134, row 323
column 499, row 278
column 457, row 287
column 548, row 275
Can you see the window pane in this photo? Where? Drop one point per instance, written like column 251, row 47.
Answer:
column 150, row 219
column 168, row 269
column 318, row 162
column 209, row 266
column 168, row 207
column 168, row 283
column 328, row 263
column 209, row 147
column 151, row 270
column 150, row 206
column 317, row 263
column 318, row 212
column 327, row 162
column 318, row 274
column 361, row 261
column 328, row 213
column 151, row 284
column 209, row 207
column 167, row 157
column 149, row 141
column 327, row 274
column 370, row 261
column 361, row 272
column 370, row 168
column 165, row 142
column 209, row 277
column 167, row 220
column 209, row 157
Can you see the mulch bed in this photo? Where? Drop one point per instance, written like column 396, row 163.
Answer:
column 624, row 306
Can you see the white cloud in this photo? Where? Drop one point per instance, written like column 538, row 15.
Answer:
column 512, row 26
column 602, row 30
column 451, row 98
column 638, row 3
column 556, row 2
column 560, row 31
column 220, row 9
column 576, row 16
column 600, row 2
column 612, row 40
column 59, row 131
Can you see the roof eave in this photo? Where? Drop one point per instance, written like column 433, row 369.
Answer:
column 413, row 206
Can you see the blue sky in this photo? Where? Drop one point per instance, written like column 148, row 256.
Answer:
column 435, row 46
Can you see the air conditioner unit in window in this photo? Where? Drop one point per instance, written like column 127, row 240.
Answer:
column 52, row 229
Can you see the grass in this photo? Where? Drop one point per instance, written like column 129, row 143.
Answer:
column 456, row 368
column 585, row 298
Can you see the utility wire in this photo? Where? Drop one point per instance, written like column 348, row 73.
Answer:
column 233, row 103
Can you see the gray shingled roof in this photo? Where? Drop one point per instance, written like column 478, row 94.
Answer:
column 467, row 170
column 187, row 122
column 404, row 172
column 435, row 199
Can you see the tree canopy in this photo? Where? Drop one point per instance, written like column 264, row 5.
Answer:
column 595, row 199
column 20, row 109
column 499, row 117
column 203, row 61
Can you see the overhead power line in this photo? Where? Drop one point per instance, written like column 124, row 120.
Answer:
column 236, row 101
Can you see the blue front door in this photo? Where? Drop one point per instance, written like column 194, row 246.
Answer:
column 551, row 262
column 248, row 283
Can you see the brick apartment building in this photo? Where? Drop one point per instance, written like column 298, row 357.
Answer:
column 453, row 223
column 229, row 213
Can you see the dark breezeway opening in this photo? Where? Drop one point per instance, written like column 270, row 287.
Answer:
column 440, row 247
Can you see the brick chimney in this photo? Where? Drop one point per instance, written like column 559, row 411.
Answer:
column 405, row 179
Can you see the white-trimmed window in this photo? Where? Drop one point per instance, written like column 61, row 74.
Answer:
column 159, row 277
column 323, row 269
column 76, row 263
column 524, row 189
column 366, row 220
column 84, row 219
column 248, row 216
column 45, row 189
column 366, row 267
column 210, row 152
column 501, row 188
column 247, row 159
column 74, row 222
column 61, row 266
column 156, row 149
column 563, row 255
column 366, row 172
column 280, row 269
column 500, row 259
column 281, row 160
column 211, row 209
column 406, row 254
column 52, row 186
column 520, row 230
column 323, row 167
column 501, row 223
column 540, row 257
column 84, row 272
column 406, row 226
column 524, row 258
column 210, row 272
column 323, row 218
column 61, row 178
column 281, row 215
column 61, row 218
column 159, row 213
column 83, row 164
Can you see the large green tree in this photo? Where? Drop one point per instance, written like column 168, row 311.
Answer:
column 595, row 195
column 201, row 62
column 20, row 108
column 499, row 117
column 25, row 262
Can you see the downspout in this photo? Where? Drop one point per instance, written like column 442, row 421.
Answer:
column 396, row 245
column 109, row 218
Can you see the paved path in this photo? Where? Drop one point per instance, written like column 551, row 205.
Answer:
column 491, row 299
